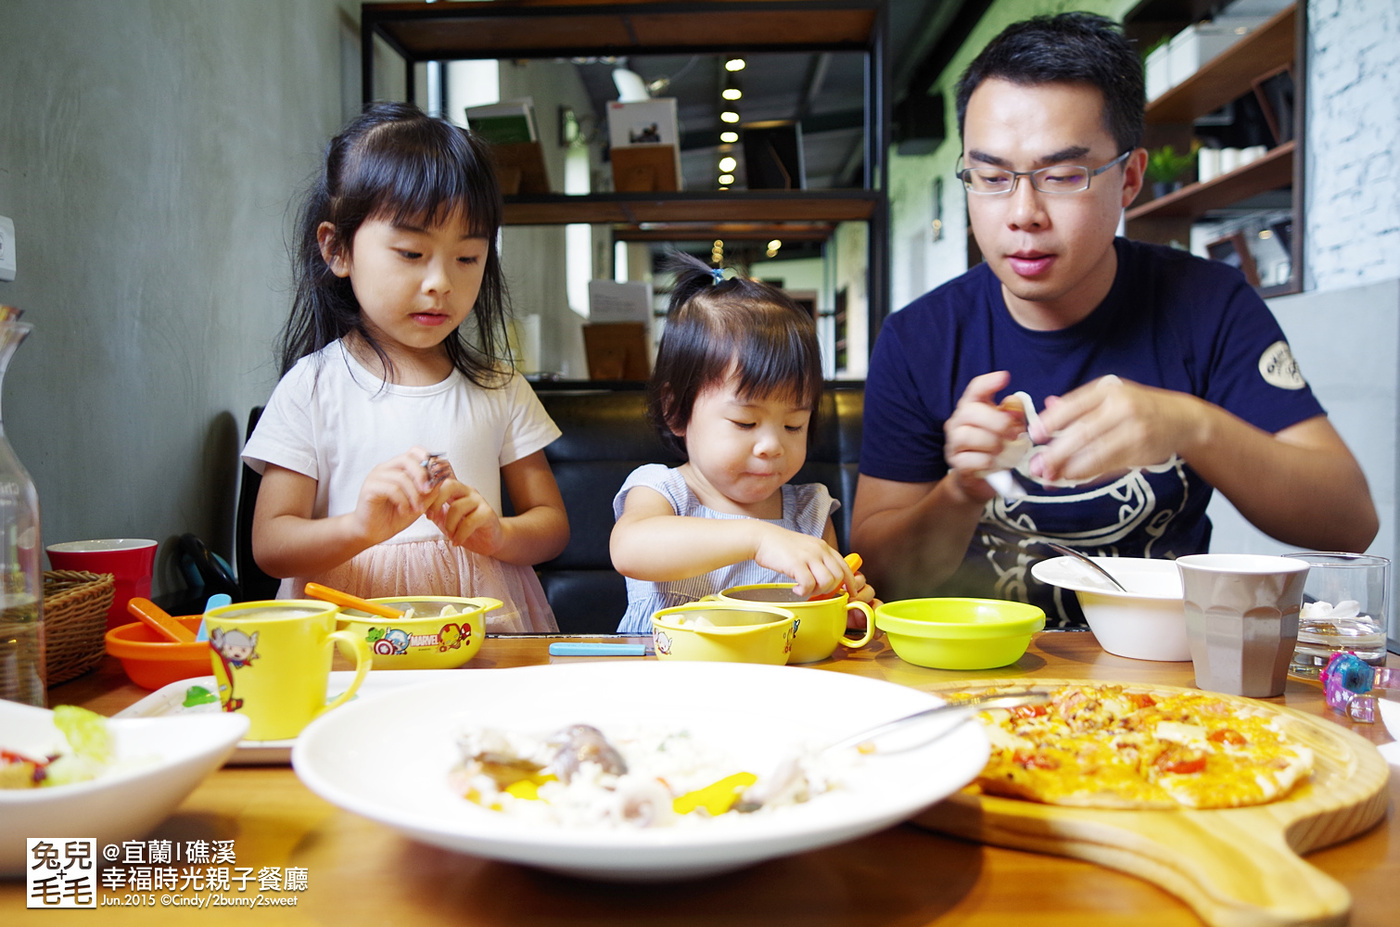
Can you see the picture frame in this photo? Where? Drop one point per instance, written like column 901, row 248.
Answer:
column 1233, row 250
column 1276, row 95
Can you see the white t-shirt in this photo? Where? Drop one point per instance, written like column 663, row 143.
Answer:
column 332, row 420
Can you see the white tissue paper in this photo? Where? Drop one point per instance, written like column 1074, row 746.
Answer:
column 1390, row 714
column 1016, row 456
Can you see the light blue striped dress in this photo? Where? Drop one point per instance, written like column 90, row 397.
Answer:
column 806, row 508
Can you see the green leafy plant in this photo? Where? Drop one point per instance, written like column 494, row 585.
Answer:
column 1165, row 164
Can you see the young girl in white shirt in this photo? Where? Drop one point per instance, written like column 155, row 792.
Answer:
column 737, row 380
column 398, row 416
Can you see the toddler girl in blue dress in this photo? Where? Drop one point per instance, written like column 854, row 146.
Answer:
column 737, row 380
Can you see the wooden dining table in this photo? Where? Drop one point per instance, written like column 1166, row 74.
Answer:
column 360, row 872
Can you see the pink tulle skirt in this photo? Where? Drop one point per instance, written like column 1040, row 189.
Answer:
column 439, row 567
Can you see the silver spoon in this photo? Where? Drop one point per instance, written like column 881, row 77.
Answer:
column 1083, row 558
column 959, row 711
column 789, row 769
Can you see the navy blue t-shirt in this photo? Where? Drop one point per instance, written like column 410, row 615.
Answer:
column 1171, row 320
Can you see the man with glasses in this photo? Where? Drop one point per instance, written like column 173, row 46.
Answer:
column 1159, row 375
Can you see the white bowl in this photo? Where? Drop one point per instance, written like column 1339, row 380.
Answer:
column 1148, row 622
column 388, row 759
column 158, row 762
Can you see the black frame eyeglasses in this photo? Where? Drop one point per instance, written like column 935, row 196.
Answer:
column 1056, row 179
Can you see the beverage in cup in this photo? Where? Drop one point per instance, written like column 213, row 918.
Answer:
column 821, row 622
column 272, row 662
column 1344, row 608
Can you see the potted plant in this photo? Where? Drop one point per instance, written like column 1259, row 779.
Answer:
column 1165, row 167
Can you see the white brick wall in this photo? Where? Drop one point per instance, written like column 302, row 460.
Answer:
column 1352, row 201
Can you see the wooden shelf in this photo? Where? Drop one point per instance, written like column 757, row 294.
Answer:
column 1278, row 43
column 1273, row 170
column 524, row 29
column 537, row 28
column 1230, row 74
column 708, row 207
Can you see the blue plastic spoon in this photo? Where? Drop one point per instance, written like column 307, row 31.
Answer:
column 217, row 600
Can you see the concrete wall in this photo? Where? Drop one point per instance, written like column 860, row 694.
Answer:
column 148, row 155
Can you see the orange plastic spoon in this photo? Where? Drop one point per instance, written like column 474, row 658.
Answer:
column 854, row 560
column 159, row 620
column 325, row 593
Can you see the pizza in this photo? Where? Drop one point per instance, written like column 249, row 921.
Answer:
column 1113, row 746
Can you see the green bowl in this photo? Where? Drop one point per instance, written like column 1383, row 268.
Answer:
column 959, row 634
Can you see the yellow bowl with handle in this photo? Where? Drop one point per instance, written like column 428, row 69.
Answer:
column 731, row 632
column 440, row 632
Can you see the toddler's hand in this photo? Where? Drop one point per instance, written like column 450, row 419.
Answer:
column 465, row 517
column 393, row 495
column 860, row 591
column 814, row 565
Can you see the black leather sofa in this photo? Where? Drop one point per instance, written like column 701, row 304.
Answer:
column 607, row 436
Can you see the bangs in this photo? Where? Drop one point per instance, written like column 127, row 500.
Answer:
column 422, row 173
column 775, row 368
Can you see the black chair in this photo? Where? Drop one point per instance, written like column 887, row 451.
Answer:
column 253, row 583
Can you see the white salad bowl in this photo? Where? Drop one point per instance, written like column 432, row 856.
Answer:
column 158, row 762
column 1148, row 622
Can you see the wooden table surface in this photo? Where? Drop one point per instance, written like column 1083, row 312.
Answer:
column 359, row 872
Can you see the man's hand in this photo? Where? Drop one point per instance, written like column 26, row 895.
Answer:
column 976, row 433
column 1110, row 425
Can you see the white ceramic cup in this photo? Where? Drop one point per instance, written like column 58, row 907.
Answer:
column 1242, row 619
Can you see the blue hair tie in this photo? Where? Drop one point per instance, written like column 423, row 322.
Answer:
column 718, row 274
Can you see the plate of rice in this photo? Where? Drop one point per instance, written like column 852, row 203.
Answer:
column 646, row 771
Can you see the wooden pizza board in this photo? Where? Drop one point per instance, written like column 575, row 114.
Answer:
column 1236, row 867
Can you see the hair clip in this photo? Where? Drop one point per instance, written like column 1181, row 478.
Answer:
column 718, row 274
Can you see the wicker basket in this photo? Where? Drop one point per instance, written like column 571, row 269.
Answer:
column 75, row 622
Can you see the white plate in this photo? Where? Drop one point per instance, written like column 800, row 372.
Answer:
column 1144, row 578
column 169, row 701
column 158, row 764
column 388, row 759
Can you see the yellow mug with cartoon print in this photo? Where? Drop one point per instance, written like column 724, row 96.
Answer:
column 821, row 622
column 272, row 662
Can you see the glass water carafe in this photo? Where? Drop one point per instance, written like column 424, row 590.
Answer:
column 21, row 578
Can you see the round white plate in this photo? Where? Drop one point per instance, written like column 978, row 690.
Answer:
column 388, row 758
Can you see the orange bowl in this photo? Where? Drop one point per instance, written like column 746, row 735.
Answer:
column 153, row 662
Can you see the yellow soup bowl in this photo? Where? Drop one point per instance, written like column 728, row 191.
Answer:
column 959, row 634
column 821, row 622
column 724, row 631
column 427, row 640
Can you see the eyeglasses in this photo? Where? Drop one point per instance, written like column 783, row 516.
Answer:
column 1058, row 178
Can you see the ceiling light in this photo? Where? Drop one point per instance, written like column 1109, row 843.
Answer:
column 726, row 178
column 775, row 244
column 729, row 138
column 734, row 64
column 731, row 93
column 728, row 164
column 729, row 116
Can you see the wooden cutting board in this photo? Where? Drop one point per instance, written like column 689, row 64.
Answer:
column 1236, row 867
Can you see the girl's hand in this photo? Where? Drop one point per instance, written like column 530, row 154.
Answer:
column 814, row 565
column 466, row 518
column 392, row 497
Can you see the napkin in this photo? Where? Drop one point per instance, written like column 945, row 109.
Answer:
column 1390, row 714
column 1015, row 456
